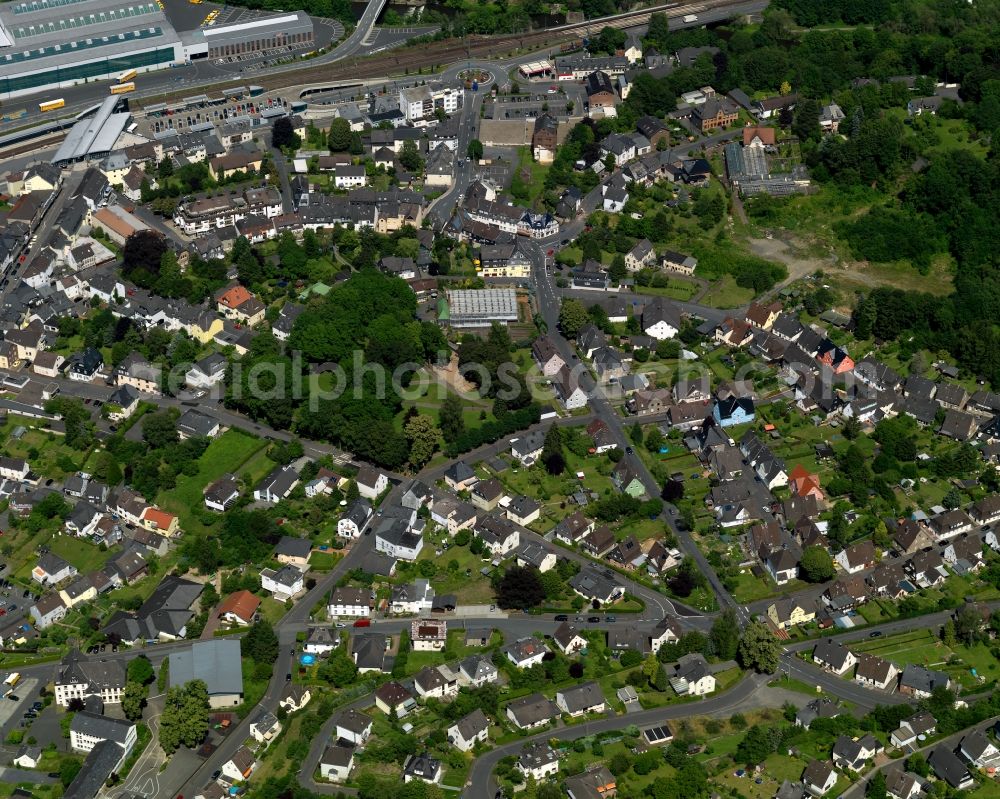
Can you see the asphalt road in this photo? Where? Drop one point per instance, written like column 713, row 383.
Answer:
column 481, row 783
column 602, row 409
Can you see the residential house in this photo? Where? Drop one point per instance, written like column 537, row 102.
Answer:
column 476, row 671
column 538, row 760
column 948, row 767
column 789, row 612
column 733, row 411
column 355, row 519
column 354, row 727
column 901, row 784
column 660, row 319
column 336, row 762
column 692, row 676
column 486, row 494
column 371, row 482
column 568, row 639
column 469, row 730
column 349, row 601
column 51, row 569
column 875, row 672
column 581, row 699
column 428, row 635
column 853, row 754
column 546, row 356
column 856, row 557
column 459, row 477
column 832, row 655
column 920, row 682
column 239, row 608
column 240, row 766
column 532, row 711
column 917, row 727
column 415, row 597
column 422, row 768
column 597, row 782
column 265, row 727
column 626, row 478
column 526, row 652
column 524, row 510
column 436, row 682
column 528, row 448
column 391, row 697
column 979, row 750
column 819, row 778
column 283, row 583
column 277, row 485
column 597, row 585
column 821, row 708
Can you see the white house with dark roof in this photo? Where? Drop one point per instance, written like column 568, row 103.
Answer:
column 568, row 639
column 336, row 762
column 833, row 656
column 476, row 671
column 532, row 711
column 528, row 448
column 371, row 482
column 277, row 485
column 436, row 682
column 526, row 652
column 819, row 777
column 538, row 760
column 282, row 583
column 354, row 727
column 349, row 601
column 469, row 730
column 579, row 700
column 415, row 597
column 355, row 519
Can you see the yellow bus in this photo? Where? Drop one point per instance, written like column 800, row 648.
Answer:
column 51, row 105
column 12, row 679
column 127, row 76
column 123, row 88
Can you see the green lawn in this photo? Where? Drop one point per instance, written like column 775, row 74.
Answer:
column 82, row 554
column 323, row 561
column 922, row 647
column 234, row 451
column 724, row 293
column 457, row 572
column 682, row 290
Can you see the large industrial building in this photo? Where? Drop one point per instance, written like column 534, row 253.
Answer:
column 52, row 43
column 48, row 44
column 294, row 29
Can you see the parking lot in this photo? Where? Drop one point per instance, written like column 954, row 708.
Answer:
column 181, row 121
column 185, row 16
column 12, row 710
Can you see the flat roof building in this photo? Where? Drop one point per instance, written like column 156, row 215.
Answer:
column 480, row 307
column 294, row 29
column 47, row 44
column 217, row 663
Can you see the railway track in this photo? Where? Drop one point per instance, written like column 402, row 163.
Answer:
column 27, row 147
column 438, row 54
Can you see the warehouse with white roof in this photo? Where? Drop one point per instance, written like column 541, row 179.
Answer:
column 47, row 44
